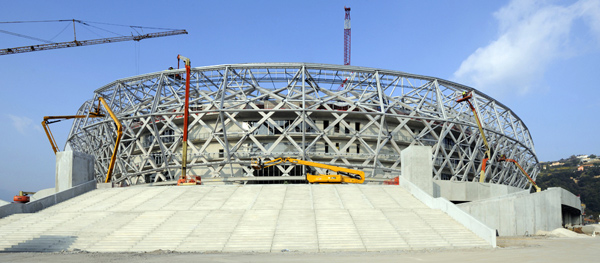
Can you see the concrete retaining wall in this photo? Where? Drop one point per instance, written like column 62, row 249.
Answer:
column 417, row 167
column 74, row 176
column 73, row 168
column 470, row 222
column 32, row 207
column 471, row 191
column 568, row 198
column 523, row 213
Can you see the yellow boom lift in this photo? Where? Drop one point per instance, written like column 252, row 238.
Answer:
column 504, row 159
column 344, row 175
column 95, row 114
column 54, row 119
column 466, row 97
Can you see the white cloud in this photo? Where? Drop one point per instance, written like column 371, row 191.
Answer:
column 23, row 124
column 532, row 35
column 590, row 11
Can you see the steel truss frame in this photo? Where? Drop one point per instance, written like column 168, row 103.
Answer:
column 395, row 110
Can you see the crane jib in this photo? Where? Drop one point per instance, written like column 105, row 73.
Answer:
column 76, row 43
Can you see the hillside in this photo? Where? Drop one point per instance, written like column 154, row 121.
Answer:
column 585, row 183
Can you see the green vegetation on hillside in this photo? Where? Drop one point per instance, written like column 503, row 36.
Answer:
column 585, row 183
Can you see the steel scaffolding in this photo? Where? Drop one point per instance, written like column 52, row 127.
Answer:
column 273, row 110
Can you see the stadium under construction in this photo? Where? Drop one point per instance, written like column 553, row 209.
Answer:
column 283, row 157
column 348, row 116
column 254, row 134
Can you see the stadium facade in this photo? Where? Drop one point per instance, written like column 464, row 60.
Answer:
column 348, row 116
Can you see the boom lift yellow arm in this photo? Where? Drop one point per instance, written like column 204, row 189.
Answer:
column 47, row 120
column 466, row 97
column 345, row 175
column 113, row 158
column 504, row 159
column 95, row 114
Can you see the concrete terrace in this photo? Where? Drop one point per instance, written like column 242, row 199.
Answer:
column 259, row 218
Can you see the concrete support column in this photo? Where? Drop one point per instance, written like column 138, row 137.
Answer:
column 417, row 167
column 73, row 169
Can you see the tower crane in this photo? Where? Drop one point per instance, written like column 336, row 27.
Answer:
column 76, row 43
column 347, row 43
column 347, row 36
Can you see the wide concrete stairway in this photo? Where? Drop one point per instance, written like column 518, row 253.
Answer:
column 260, row 218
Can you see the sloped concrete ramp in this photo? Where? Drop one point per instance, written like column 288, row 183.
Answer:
column 259, row 218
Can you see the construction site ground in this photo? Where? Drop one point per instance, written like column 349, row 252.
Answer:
column 518, row 249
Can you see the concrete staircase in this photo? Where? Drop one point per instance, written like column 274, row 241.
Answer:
column 260, row 218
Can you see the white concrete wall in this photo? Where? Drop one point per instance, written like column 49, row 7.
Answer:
column 417, row 167
column 479, row 228
column 471, row 191
column 520, row 213
column 568, row 198
column 34, row 206
column 417, row 172
column 72, row 169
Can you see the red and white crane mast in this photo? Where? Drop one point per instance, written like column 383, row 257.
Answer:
column 347, row 36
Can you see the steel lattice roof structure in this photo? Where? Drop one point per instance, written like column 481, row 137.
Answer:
column 348, row 116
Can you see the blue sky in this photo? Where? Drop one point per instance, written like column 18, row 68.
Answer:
column 540, row 58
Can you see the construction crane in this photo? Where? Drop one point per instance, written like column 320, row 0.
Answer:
column 504, row 159
column 95, row 114
column 466, row 96
column 347, row 42
column 347, row 36
column 345, row 175
column 76, row 43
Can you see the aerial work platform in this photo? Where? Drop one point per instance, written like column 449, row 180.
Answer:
column 227, row 218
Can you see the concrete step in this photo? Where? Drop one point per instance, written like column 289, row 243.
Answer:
column 259, row 218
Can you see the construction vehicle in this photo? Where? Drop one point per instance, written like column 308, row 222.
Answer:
column 344, row 175
column 393, row 181
column 22, row 197
column 190, row 180
column 54, row 119
column 185, row 179
column 95, row 114
column 466, row 96
column 75, row 42
column 504, row 159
